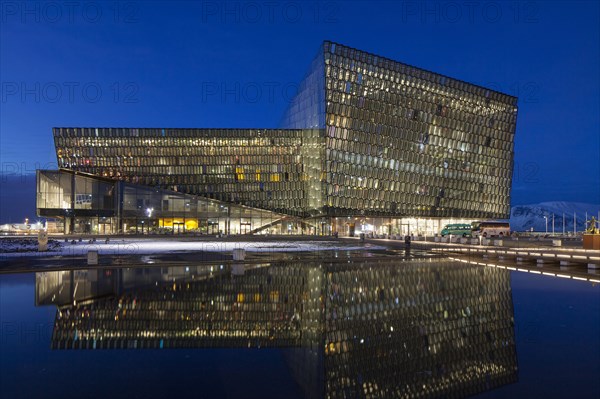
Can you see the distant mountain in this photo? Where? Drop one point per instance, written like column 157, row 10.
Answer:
column 524, row 217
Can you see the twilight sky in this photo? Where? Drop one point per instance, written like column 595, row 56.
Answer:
column 237, row 64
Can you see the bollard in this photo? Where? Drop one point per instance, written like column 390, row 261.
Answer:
column 239, row 254
column 238, row 269
column 92, row 257
column 42, row 241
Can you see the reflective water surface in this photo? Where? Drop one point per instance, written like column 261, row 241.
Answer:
column 369, row 328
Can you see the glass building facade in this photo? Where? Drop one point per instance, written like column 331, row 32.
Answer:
column 364, row 137
column 89, row 204
column 254, row 167
column 403, row 141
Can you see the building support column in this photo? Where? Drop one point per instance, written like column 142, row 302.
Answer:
column 72, row 219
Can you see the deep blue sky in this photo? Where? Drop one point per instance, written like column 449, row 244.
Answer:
column 208, row 64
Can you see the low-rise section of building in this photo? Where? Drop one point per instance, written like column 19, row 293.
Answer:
column 96, row 205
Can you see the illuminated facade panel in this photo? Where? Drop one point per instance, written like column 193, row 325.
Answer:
column 403, row 141
column 255, row 167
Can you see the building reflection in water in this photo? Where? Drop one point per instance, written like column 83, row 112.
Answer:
column 428, row 328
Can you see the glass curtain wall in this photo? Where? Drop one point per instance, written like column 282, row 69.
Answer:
column 261, row 168
column 405, row 141
column 93, row 205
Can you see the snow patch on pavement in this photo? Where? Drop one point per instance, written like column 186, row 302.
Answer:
column 147, row 247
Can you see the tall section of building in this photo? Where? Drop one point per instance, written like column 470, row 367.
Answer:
column 403, row 141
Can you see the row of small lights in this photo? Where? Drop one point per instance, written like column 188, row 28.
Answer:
column 527, row 270
column 529, row 251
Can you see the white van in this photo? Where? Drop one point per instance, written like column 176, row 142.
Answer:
column 490, row 229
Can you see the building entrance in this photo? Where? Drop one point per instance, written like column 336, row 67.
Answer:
column 245, row 227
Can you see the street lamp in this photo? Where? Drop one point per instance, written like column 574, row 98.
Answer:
column 546, row 218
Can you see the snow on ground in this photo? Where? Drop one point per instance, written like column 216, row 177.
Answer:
column 149, row 246
column 11, row 245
